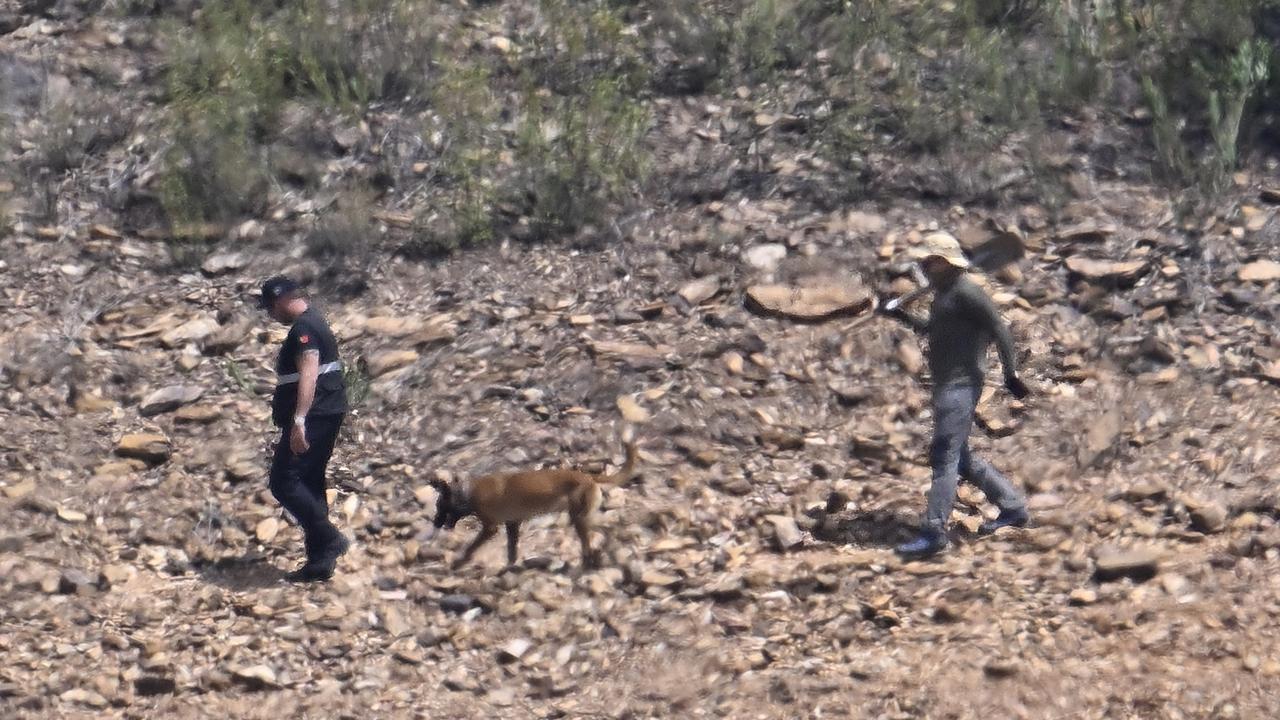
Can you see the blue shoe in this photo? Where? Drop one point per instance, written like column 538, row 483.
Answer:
column 1007, row 518
column 929, row 542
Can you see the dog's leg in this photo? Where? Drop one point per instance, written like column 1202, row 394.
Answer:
column 486, row 534
column 513, row 538
column 582, row 524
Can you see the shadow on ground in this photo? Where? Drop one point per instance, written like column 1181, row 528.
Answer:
column 872, row 528
column 248, row 572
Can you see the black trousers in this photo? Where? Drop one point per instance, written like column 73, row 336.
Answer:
column 297, row 481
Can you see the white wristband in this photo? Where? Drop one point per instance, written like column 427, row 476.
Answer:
column 299, row 419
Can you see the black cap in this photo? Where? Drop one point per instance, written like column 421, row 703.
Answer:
column 275, row 288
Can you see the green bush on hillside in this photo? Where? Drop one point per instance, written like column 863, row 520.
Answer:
column 549, row 125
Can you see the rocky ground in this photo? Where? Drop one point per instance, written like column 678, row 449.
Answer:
column 749, row 569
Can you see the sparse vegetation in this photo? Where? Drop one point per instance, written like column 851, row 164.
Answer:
column 238, row 377
column 578, row 153
column 541, row 133
column 1226, row 90
column 358, row 383
column 466, row 111
column 230, row 75
column 71, row 130
column 573, row 148
column 768, row 37
column 582, row 119
column 967, row 81
column 343, row 242
column 224, row 92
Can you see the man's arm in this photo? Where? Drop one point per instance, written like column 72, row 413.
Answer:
column 989, row 317
column 897, row 309
column 308, row 372
column 916, row 322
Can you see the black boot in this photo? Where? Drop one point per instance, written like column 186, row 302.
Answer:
column 311, row 571
column 320, row 565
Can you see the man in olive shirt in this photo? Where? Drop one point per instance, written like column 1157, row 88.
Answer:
column 308, row 406
column 962, row 324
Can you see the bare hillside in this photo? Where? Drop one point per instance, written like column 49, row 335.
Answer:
column 533, row 222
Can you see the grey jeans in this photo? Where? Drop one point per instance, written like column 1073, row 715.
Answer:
column 953, row 409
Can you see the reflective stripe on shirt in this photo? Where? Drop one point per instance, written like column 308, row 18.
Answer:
column 291, row 378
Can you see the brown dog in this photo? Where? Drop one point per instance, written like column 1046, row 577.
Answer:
column 511, row 498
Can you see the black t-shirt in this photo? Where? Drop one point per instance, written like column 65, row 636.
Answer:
column 309, row 332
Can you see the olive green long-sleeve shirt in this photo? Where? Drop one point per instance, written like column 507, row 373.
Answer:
column 962, row 324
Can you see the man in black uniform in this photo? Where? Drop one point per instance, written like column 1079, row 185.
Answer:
column 309, row 403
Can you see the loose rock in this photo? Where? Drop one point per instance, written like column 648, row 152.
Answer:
column 267, row 529
column 1209, row 518
column 150, row 448
column 766, row 257
column 224, row 262
column 786, row 533
column 700, row 290
column 1106, row 270
column 255, row 677
column 456, row 603
column 192, row 331
column 169, row 399
column 808, row 303
column 1139, row 564
column 1083, row 596
column 1260, row 271
column 514, row 650
column 384, row 362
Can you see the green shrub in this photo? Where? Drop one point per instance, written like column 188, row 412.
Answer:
column 1010, row 13
column 767, row 37
column 579, row 153
column 343, row 243
column 579, row 147
column 367, row 50
column 552, row 128
column 63, row 139
column 690, row 44
column 467, row 109
column 224, row 94
column 577, row 43
column 1234, row 86
column 359, row 382
column 1203, row 69
column 960, row 82
column 230, row 74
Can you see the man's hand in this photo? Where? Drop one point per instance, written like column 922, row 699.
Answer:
column 1016, row 387
column 298, row 440
column 901, row 314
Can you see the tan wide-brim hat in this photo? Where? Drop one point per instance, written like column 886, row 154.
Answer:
column 940, row 245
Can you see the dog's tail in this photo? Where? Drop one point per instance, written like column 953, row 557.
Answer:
column 628, row 469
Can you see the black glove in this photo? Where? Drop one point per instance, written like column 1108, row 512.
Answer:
column 1016, row 387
